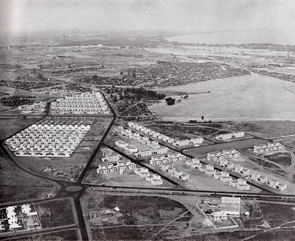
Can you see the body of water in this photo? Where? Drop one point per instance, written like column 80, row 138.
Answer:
column 250, row 97
column 285, row 37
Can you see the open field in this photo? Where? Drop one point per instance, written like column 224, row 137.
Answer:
column 267, row 129
column 11, row 125
column 17, row 185
column 239, row 145
column 176, row 130
column 235, row 235
column 237, row 98
column 142, row 217
column 67, row 235
column 55, row 213
column 264, row 220
column 284, row 159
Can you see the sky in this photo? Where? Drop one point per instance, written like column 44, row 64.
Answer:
column 190, row 16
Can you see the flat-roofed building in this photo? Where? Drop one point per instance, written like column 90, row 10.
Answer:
column 231, row 205
column 269, row 147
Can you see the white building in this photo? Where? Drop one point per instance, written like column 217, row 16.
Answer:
column 273, row 183
column 242, row 185
column 228, row 136
column 193, row 163
column 219, row 156
column 269, row 147
column 119, row 166
column 219, row 216
column 231, row 205
column 121, row 144
column 154, row 179
column 224, row 137
column 142, row 172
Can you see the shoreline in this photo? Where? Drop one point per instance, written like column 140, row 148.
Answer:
column 244, row 98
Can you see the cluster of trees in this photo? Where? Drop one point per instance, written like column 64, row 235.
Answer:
column 77, row 87
column 146, row 94
column 14, row 101
column 134, row 94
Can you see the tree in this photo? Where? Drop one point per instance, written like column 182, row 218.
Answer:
column 170, row 101
column 133, row 74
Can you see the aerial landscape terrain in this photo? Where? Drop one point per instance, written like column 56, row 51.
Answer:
column 145, row 135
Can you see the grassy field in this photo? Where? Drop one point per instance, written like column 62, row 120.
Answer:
column 68, row 235
column 240, row 144
column 141, row 217
column 284, row 159
column 264, row 128
column 55, row 213
column 17, row 185
column 11, row 125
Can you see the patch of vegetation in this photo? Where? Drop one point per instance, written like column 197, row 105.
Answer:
column 170, row 101
column 69, row 235
column 264, row 163
column 133, row 101
column 14, row 101
column 284, row 158
column 55, row 213
column 78, row 88
column 26, row 85
column 137, row 210
column 244, row 126
column 277, row 214
column 126, row 233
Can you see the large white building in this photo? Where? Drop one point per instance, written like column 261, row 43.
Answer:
column 231, row 205
column 228, row 136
